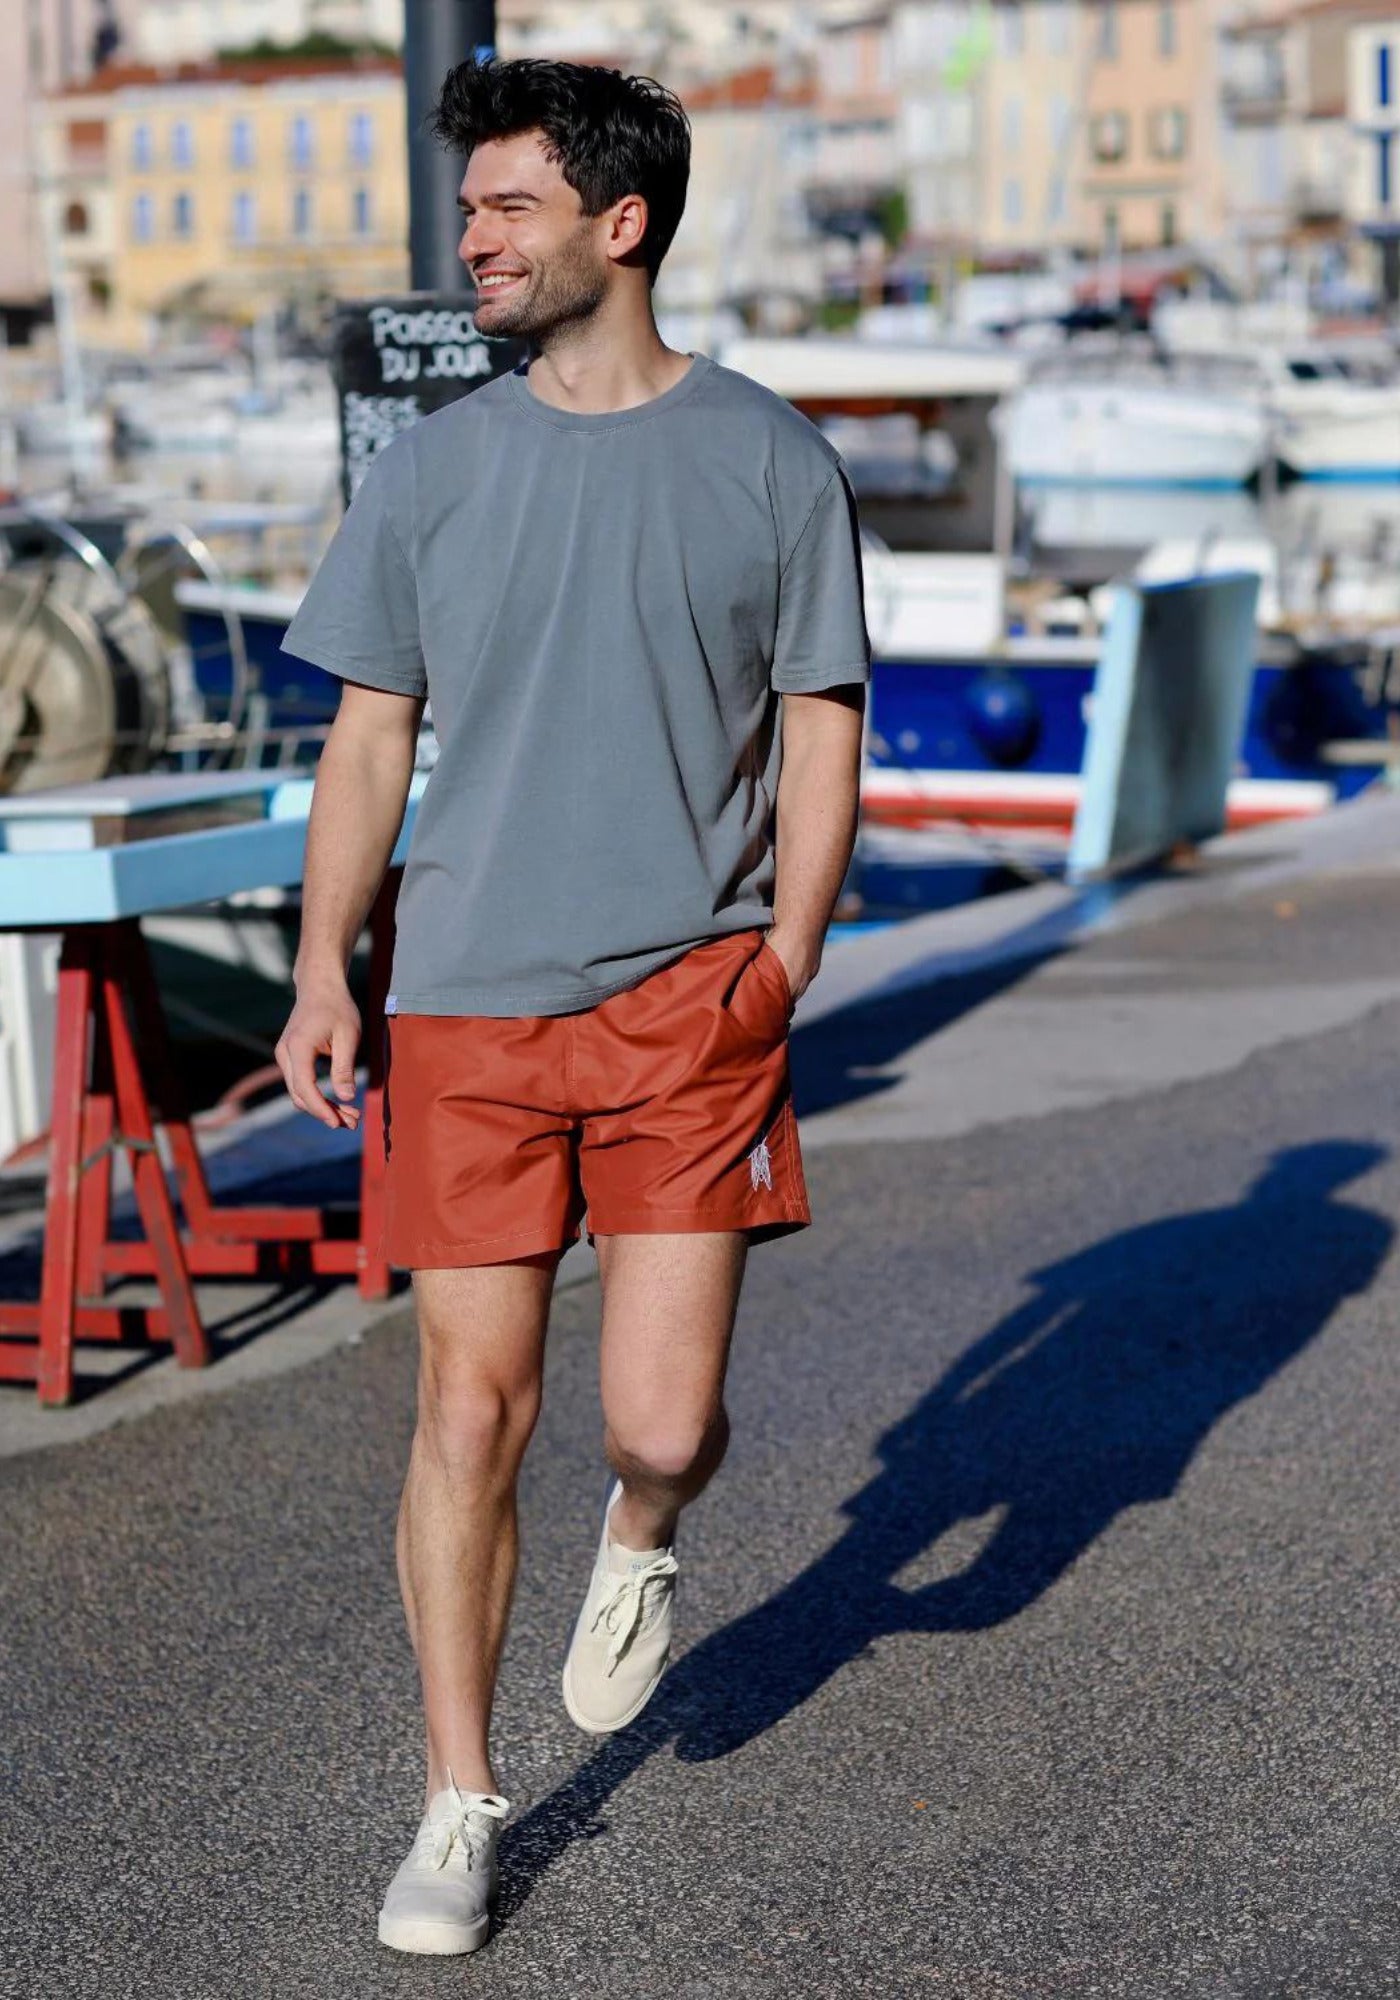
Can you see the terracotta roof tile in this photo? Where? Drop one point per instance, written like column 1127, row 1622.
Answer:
column 255, row 70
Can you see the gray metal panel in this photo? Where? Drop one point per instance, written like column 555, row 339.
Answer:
column 1170, row 698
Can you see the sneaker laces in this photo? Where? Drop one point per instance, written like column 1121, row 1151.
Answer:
column 453, row 1826
column 621, row 1609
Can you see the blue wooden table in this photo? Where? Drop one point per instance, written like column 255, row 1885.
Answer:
column 89, row 861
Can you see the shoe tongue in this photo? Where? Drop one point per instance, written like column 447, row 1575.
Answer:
column 446, row 1804
column 626, row 1562
column 443, row 1805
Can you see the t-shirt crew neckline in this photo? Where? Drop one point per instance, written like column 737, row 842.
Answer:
column 607, row 420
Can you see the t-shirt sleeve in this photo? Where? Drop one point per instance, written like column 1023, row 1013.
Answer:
column 359, row 617
column 822, row 641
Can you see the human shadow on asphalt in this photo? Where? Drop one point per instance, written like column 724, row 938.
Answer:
column 1093, row 1396
column 847, row 1056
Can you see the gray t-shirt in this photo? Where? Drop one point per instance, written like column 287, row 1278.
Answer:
column 602, row 610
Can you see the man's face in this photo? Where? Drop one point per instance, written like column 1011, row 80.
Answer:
column 537, row 259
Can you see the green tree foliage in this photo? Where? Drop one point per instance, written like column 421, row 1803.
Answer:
column 317, row 44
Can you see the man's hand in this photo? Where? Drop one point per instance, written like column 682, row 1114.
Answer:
column 801, row 962
column 324, row 1022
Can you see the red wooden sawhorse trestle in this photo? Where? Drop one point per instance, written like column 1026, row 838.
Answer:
column 114, row 1081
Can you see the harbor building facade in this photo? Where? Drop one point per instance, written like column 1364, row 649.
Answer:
column 227, row 189
column 1149, row 174
column 1373, row 129
column 174, row 31
column 843, row 151
column 45, row 45
column 939, row 55
column 745, row 241
column 1031, row 129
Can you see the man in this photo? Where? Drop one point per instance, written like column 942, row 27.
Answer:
column 604, row 569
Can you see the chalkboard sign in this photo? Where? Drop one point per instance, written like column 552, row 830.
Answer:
column 396, row 360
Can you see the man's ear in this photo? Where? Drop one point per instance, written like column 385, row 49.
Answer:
column 629, row 227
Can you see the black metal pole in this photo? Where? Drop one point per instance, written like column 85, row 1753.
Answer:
column 438, row 34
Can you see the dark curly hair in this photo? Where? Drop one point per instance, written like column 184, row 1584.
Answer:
column 611, row 134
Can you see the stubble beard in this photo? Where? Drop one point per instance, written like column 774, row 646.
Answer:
column 559, row 295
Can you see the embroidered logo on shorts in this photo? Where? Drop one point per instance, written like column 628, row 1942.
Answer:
column 761, row 1165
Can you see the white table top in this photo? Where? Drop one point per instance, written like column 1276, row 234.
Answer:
column 152, row 791
column 49, row 889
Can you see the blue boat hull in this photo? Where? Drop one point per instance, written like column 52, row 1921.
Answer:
column 1006, row 724
column 1013, row 721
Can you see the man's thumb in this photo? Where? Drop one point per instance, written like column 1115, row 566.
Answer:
column 343, row 1041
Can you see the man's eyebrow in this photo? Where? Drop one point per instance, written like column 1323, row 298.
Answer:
column 499, row 200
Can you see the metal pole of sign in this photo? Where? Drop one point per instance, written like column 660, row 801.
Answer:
column 438, row 34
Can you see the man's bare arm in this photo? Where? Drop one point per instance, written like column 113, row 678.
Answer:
column 357, row 808
column 818, row 808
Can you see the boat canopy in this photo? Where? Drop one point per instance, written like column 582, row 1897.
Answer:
column 862, row 376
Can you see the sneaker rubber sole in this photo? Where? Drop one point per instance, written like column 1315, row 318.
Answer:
column 420, row 1934
column 582, row 1722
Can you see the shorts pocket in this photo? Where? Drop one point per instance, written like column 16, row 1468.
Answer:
column 759, row 1002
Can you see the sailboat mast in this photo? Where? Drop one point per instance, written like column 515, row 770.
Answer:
column 60, row 283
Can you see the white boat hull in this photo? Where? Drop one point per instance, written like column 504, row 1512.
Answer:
column 46, row 430
column 1353, row 434
column 1132, row 434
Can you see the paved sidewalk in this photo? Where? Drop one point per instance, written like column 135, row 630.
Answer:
column 1038, row 1638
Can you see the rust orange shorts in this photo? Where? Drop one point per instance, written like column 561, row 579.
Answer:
column 667, row 1107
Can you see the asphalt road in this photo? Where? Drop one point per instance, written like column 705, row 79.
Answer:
column 1037, row 1639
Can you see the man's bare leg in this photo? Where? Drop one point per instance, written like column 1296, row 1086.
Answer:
column 481, row 1345
column 668, row 1317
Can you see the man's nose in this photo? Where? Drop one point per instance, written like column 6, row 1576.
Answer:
column 480, row 238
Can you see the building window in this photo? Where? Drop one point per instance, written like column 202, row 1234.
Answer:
column 1011, row 125
column 1168, row 132
column 140, row 147
column 920, row 127
column 1055, row 201
column 1383, row 140
column 245, row 217
column 301, row 212
column 1168, row 224
column 1383, row 75
column 1108, row 136
column 1057, row 27
column 75, row 219
column 1061, row 122
column 1111, row 234
column 182, row 214
column 181, row 145
column 143, row 218
column 1011, row 203
column 241, row 143
column 1166, row 27
column 361, row 138
column 1013, row 28
column 302, row 142
column 1107, row 49
column 359, row 211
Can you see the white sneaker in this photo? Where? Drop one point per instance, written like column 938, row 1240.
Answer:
column 622, row 1640
column 442, row 1897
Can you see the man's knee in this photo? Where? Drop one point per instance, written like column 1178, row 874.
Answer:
column 668, row 1449
column 469, row 1417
